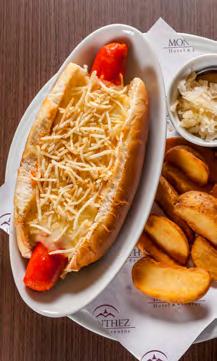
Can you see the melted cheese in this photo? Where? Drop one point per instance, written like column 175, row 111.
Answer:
column 75, row 161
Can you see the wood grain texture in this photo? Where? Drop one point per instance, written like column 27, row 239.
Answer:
column 35, row 38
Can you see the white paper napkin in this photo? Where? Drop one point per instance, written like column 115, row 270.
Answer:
column 148, row 328
column 172, row 49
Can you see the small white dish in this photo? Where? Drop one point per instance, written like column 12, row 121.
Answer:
column 79, row 289
column 195, row 65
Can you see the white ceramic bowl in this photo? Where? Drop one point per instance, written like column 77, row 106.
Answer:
column 196, row 64
column 78, row 289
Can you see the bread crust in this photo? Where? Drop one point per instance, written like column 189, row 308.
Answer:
column 118, row 193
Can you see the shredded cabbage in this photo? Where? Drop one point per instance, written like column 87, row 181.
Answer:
column 196, row 107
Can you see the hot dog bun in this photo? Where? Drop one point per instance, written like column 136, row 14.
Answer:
column 109, row 193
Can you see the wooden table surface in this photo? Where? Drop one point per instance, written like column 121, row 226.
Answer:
column 35, row 37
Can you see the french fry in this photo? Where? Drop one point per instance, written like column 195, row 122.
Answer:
column 199, row 210
column 209, row 155
column 169, row 236
column 170, row 284
column 146, row 245
column 180, row 181
column 166, row 193
column 167, row 197
column 191, row 171
column 204, row 255
column 190, row 162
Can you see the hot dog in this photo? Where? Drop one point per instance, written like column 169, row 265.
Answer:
column 80, row 168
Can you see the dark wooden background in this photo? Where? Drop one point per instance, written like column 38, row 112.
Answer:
column 35, row 38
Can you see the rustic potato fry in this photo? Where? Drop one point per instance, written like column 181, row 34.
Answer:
column 170, row 284
column 204, row 255
column 209, row 155
column 213, row 191
column 169, row 236
column 166, row 193
column 145, row 244
column 199, row 210
column 190, row 162
column 167, row 197
column 180, row 181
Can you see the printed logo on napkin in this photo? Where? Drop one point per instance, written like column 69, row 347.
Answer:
column 173, row 49
column 111, row 319
column 154, row 355
column 134, row 255
column 155, row 303
column 178, row 45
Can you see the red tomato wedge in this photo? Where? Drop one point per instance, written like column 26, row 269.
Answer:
column 43, row 270
column 109, row 62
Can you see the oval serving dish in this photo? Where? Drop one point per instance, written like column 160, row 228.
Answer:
column 78, row 289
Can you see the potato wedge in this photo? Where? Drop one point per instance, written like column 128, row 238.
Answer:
column 170, row 284
column 199, row 210
column 190, row 162
column 166, row 193
column 180, row 181
column 169, row 236
column 204, row 255
column 145, row 244
column 208, row 155
column 166, row 197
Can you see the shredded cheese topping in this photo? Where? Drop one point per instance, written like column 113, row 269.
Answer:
column 75, row 161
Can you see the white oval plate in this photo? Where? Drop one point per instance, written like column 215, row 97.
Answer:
column 79, row 289
column 82, row 317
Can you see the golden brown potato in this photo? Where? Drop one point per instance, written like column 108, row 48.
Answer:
column 170, row 284
column 166, row 193
column 169, row 236
column 146, row 245
column 167, row 197
column 178, row 179
column 199, row 210
column 204, row 255
column 190, row 162
column 208, row 155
